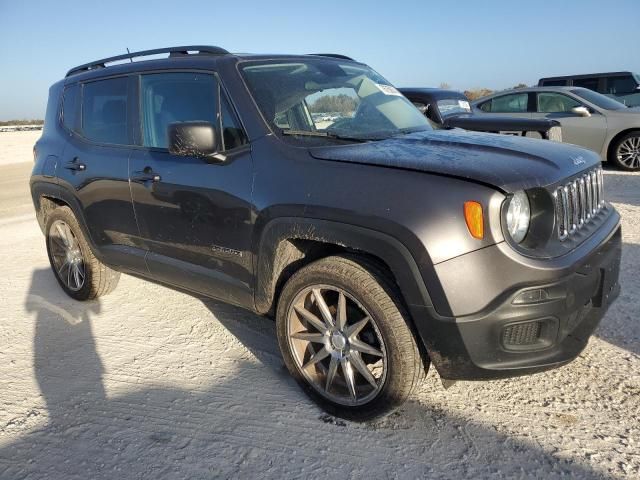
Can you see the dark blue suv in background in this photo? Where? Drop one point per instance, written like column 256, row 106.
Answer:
column 306, row 187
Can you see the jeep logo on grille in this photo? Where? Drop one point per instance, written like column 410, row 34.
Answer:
column 578, row 160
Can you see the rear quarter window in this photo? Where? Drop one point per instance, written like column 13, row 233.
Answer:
column 104, row 111
column 70, row 107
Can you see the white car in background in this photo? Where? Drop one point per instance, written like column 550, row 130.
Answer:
column 588, row 119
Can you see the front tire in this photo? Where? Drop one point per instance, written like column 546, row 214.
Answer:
column 625, row 153
column 80, row 274
column 345, row 338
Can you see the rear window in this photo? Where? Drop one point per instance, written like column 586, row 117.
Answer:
column 553, row 83
column 104, row 111
column 590, row 83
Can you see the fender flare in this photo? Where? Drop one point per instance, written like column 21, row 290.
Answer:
column 360, row 239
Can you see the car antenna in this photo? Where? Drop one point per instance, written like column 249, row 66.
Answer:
column 130, row 58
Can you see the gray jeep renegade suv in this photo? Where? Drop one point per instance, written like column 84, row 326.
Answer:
column 306, row 187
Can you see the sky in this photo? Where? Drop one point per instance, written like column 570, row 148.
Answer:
column 419, row 43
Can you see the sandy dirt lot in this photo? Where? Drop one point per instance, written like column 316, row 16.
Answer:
column 17, row 147
column 149, row 382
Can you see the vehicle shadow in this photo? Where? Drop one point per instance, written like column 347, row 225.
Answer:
column 236, row 427
column 620, row 326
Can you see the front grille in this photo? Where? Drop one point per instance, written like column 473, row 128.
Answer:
column 578, row 202
column 521, row 334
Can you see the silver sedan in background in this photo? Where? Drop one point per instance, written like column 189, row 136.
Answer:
column 588, row 118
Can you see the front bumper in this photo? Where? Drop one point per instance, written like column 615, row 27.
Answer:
column 507, row 339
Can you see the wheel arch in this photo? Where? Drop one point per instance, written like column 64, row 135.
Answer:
column 289, row 243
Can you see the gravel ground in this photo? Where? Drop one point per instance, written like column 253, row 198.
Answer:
column 149, row 382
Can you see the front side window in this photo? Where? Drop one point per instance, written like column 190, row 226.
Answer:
column 514, row 103
column 323, row 99
column 550, row 102
column 168, row 98
column 104, row 111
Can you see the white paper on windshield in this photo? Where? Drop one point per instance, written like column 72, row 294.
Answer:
column 464, row 104
column 388, row 90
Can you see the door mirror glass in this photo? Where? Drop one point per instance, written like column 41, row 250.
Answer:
column 581, row 111
column 192, row 139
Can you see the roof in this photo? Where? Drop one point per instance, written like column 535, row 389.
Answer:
column 587, row 75
column 181, row 52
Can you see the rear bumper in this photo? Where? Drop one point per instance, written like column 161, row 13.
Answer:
column 508, row 338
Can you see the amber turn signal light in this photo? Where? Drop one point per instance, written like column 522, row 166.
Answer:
column 473, row 217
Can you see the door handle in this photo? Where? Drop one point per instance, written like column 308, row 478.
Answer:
column 146, row 175
column 75, row 165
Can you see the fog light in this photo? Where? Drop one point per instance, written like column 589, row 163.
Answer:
column 531, row 296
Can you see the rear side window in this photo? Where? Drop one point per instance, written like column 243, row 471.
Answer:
column 623, row 84
column 175, row 97
column 70, row 107
column 554, row 83
column 104, row 111
column 514, row 103
column 590, row 83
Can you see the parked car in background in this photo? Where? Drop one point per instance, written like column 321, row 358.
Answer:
column 623, row 86
column 451, row 109
column 588, row 118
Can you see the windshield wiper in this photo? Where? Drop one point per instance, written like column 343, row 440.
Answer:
column 310, row 133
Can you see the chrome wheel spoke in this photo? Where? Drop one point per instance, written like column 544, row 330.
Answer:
column 365, row 348
column 353, row 331
column 347, row 372
column 316, row 357
column 357, row 362
column 311, row 318
column 331, row 374
column 341, row 314
column 309, row 337
column 323, row 307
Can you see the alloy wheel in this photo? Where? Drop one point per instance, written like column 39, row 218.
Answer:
column 628, row 152
column 66, row 256
column 336, row 345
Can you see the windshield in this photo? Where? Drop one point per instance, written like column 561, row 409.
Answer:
column 453, row 106
column 598, row 99
column 320, row 99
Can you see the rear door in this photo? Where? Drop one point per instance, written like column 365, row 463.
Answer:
column 589, row 132
column 195, row 216
column 98, row 116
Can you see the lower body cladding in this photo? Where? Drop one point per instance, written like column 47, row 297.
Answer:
column 542, row 321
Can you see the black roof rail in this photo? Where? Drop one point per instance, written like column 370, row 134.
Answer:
column 172, row 51
column 332, row 55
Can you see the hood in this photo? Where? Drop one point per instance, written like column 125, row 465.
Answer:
column 506, row 162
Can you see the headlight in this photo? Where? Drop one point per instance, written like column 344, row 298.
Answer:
column 518, row 216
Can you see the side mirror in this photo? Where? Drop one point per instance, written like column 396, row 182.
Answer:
column 192, row 139
column 581, row 111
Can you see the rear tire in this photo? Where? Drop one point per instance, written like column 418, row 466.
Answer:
column 625, row 153
column 80, row 274
column 352, row 367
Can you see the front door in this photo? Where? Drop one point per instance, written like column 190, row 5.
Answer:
column 195, row 215
column 588, row 132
